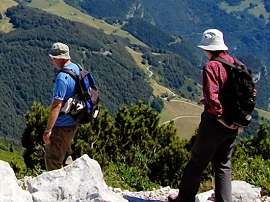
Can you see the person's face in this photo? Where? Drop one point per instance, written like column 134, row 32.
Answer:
column 55, row 63
column 208, row 54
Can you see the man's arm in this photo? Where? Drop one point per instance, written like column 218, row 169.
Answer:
column 54, row 111
column 211, row 89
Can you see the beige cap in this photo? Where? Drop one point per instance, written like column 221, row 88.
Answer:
column 59, row 51
column 212, row 40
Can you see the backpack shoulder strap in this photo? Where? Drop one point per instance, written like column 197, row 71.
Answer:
column 235, row 65
column 70, row 72
column 80, row 67
column 75, row 77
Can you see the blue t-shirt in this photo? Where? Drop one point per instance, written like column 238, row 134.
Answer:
column 65, row 88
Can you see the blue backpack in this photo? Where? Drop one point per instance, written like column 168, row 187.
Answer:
column 83, row 107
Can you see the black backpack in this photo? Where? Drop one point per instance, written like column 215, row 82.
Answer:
column 83, row 107
column 238, row 96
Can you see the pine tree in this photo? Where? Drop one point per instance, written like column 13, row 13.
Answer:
column 32, row 137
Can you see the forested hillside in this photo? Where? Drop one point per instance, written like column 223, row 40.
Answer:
column 175, row 61
column 159, row 39
column 27, row 73
column 245, row 25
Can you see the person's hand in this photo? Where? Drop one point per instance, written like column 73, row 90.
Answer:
column 46, row 137
column 233, row 126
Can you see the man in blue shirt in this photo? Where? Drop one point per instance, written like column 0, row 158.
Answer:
column 60, row 130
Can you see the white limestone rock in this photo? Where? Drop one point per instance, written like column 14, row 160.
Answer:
column 10, row 191
column 82, row 180
column 243, row 191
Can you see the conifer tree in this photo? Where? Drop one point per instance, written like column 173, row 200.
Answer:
column 96, row 139
column 32, row 137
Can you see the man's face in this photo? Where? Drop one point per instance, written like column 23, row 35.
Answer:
column 55, row 62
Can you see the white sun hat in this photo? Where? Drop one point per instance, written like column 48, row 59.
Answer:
column 212, row 40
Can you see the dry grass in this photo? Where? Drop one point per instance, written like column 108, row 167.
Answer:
column 263, row 113
column 5, row 26
column 185, row 113
column 186, row 116
column 60, row 8
column 258, row 10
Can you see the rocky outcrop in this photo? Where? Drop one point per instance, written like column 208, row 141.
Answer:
column 9, row 188
column 82, row 181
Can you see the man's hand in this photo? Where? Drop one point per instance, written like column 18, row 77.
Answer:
column 233, row 126
column 46, row 137
column 54, row 111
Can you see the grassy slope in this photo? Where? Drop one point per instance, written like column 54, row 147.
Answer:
column 5, row 26
column 12, row 157
column 186, row 116
column 60, row 8
column 256, row 11
column 264, row 113
column 178, row 109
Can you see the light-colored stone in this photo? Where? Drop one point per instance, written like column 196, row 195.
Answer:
column 82, row 181
column 205, row 197
column 10, row 191
column 244, row 191
column 241, row 191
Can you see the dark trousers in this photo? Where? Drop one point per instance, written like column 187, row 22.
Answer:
column 60, row 139
column 214, row 143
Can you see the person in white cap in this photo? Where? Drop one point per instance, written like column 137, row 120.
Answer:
column 215, row 139
column 60, row 130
